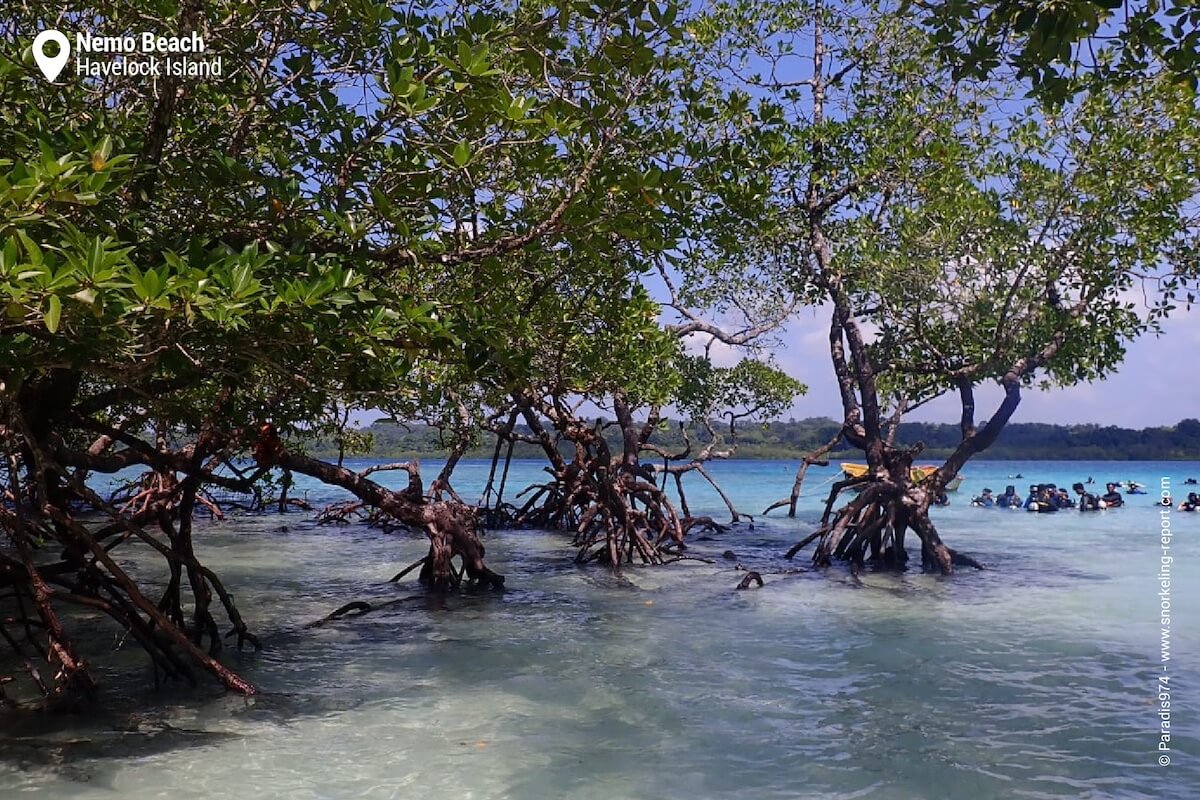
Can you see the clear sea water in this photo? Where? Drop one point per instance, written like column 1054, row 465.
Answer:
column 1037, row 678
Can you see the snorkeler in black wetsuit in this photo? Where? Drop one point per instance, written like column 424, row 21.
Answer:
column 984, row 500
column 1087, row 501
column 1112, row 499
column 1031, row 501
column 1042, row 500
column 1009, row 499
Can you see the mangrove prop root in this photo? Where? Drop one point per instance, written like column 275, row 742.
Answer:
column 700, row 559
column 89, row 577
column 703, row 525
column 355, row 608
column 752, row 578
column 450, row 525
column 964, row 560
column 872, row 526
column 614, row 504
column 418, row 563
column 617, row 513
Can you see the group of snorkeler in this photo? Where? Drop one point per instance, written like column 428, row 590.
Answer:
column 1192, row 503
column 1048, row 498
column 1110, row 499
column 1042, row 497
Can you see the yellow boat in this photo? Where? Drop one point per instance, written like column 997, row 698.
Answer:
column 918, row 474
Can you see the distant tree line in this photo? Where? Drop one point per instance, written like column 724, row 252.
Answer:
column 792, row 439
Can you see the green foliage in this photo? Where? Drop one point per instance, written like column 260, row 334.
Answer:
column 1020, row 235
column 749, row 389
column 969, row 234
column 320, row 240
column 1066, row 46
column 421, row 210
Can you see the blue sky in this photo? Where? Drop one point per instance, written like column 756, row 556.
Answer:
column 1158, row 384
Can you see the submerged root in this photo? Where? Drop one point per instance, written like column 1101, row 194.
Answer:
column 355, row 608
column 752, row 578
column 703, row 525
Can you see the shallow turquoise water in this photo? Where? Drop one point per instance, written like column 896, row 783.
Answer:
column 1034, row 679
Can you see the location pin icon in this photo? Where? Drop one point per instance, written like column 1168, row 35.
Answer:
column 51, row 65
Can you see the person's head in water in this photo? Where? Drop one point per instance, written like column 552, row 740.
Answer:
column 1010, row 490
column 1078, row 487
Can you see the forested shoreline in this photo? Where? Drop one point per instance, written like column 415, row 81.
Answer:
column 1029, row 441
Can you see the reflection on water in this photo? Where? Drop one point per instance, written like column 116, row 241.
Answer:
column 1034, row 679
